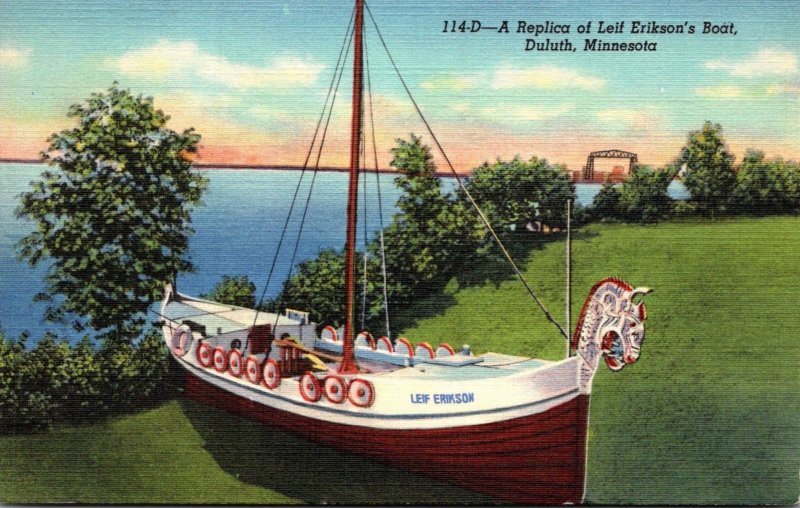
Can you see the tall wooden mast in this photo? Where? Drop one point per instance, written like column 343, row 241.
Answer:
column 348, row 365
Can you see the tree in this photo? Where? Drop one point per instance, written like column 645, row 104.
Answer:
column 605, row 205
column 114, row 217
column 512, row 194
column 788, row 174
column 709, row 175
column 234, row 291
column 757, row 188
column 643, row 197
column 432, row 234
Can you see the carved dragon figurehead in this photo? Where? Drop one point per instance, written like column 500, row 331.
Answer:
column 611, row 325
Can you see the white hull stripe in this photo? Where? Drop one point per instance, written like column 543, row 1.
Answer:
column 401, row 416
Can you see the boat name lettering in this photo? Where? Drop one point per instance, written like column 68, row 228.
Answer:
column 442, row 398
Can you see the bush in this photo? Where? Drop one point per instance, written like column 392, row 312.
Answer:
column 231, row 290
column 643, row 198
column 605, row 205
column 55, row 382
column 513, row 194
column 766, row 186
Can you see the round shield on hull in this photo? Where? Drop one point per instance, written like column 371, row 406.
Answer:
column 251, row 370
column 309, row 388
column 204, row 354
column 271, row 374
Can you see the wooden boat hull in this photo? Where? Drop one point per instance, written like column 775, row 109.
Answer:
column 535, row 459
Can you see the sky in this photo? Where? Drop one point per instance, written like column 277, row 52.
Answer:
column 252, row 77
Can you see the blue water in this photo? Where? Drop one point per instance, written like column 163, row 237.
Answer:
column 237, row 231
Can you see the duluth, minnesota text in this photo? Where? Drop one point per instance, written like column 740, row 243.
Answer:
column 541, row 33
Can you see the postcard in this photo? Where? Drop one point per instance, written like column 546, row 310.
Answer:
column 372, row 252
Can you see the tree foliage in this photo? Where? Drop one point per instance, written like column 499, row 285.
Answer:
column 113, row 216
column 709, row 175
column 514, row 193
column 234, row 290
column 643, row 197
column 765, row 186
column 433, row 233
column 57, row 383
column 605, row 205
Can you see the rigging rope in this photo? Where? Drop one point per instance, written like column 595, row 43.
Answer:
column 316, row 171
column 380, row 201
column 362, row 156
column 461, row 184
column 345, row 43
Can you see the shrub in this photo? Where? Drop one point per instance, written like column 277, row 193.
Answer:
column 55, row 382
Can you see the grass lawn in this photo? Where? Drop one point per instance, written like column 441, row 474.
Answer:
column 709, row 414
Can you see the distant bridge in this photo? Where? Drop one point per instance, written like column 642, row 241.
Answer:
column 588, row 170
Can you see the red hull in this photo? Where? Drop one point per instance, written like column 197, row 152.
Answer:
column 537, row 459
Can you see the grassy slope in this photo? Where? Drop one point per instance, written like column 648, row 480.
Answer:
column 708, row 415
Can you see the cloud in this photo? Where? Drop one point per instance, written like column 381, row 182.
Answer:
column 720, row 92
column 783, row 89
column 14, row 58
column 645, row 121
column 525, row 113
column 548, row 77
column 170, row 59
column 455, row 83
column 763, row 63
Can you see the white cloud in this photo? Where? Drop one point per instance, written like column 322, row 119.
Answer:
column 763, row 63
column 169, row 59
column 455, row 83
column 547, row 77
column 720, row 92
column 783, row 89
column 525, row 113
column 14, row 58
column 643, row 120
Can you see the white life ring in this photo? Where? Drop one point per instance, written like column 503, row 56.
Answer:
column 361, row 393
column 271, row 374
column 235, row 366
column 220, row 360
column 309, row 388
column 251, row 370
column 181, row 340
column 204, row 355
column 335, row 389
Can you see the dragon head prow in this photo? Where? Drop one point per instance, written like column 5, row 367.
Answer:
column 611, row 325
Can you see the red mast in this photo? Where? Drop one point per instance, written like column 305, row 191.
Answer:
column 348, row 365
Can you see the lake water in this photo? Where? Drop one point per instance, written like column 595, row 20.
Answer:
column 236, row 232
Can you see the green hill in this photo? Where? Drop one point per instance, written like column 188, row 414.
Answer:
column 707, row 415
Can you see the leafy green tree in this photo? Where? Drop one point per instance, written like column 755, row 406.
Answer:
column 234, row 290
column 433, row 234
column 512, row 194
column 605, row 205
column 767, row 186
column 113, row 218
column 318, row 287
column 788, row 175
column 643, row 197
column 709, row 175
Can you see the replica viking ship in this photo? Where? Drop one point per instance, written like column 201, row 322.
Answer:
column 509, row 426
